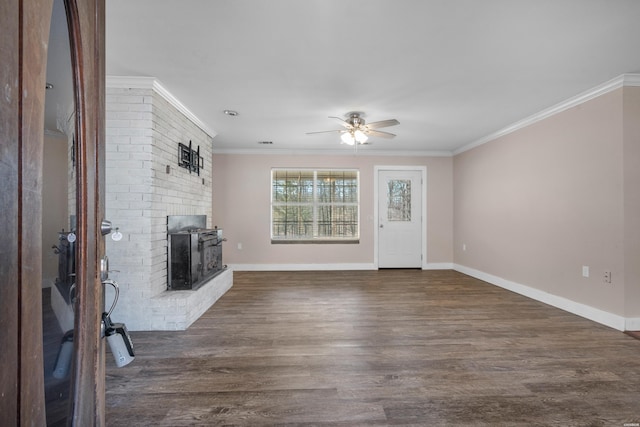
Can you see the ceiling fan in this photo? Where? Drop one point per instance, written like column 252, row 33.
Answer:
column 357, row 131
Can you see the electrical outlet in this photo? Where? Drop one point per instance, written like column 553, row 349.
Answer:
column 239, row 246
column 607, row 277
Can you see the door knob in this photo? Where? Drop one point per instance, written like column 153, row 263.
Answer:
column 105, row 227
column 381, row 225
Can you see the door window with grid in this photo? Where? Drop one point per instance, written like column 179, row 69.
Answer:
column 314, row 206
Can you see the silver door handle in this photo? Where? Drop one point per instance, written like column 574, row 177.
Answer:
column 104, row 268
column 381, row 225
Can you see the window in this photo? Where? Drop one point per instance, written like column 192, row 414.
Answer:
column 314, row 205
column 399, row 200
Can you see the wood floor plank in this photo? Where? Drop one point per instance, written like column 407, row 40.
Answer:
column 388, row 347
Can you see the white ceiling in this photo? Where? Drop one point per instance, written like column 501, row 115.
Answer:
column 451, row 71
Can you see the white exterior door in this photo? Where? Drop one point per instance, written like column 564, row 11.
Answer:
column 400, row 232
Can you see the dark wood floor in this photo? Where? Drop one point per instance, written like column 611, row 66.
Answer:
column 389, row 347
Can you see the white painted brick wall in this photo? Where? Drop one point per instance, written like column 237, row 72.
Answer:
column 143, row 132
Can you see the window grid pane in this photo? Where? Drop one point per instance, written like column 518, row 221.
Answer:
column 338, row 221
column 337, row 186
column 293, row 221
column 293, row 186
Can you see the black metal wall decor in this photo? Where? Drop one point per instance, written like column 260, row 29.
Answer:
column 189, row 158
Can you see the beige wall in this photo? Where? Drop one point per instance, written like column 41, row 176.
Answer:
column 241, row 206
column 536, row 205
column 631, row 149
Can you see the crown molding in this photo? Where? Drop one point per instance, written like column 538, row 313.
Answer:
column 606, row 87
column 144, row 82
column 631, row 80
column 343, row 153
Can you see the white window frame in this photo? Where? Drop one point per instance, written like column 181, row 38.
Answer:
column 315, row 204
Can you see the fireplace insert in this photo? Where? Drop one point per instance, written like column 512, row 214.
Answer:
column 194, row 252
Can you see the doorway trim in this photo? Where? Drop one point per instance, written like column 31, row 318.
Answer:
column 423, row 173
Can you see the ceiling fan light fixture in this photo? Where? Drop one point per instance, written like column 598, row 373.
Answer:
column 356, row 131
column 360, row 136
column 347, row 138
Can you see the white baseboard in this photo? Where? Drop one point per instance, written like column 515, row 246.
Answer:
column 632, row 324
column 327, row 267
column 438, row 266
column 588, row 312
column 301, row 267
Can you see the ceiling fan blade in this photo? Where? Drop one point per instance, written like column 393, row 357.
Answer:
column 342, row 122
column 325, row 131
column 382, row 124
column 380, row 134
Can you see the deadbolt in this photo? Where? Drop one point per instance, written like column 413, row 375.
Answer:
column 105, row 227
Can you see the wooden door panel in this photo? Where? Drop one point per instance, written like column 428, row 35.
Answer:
column 34, row 30
column 9, row 155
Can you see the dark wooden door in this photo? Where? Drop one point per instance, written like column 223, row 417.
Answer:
column 24, row 28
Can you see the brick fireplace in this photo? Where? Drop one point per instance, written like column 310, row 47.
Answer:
column 144, row 184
